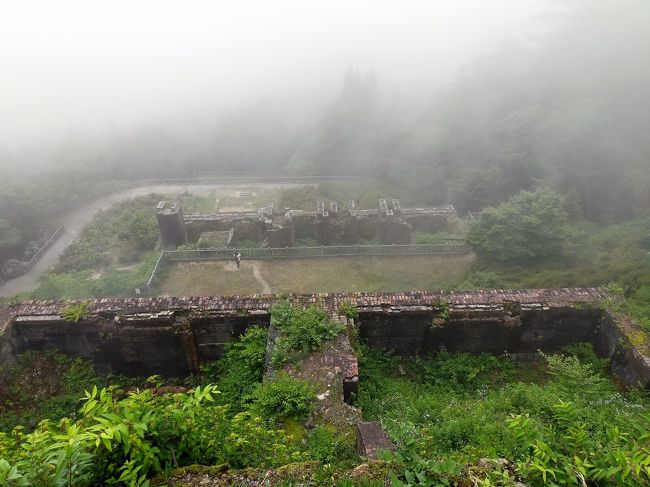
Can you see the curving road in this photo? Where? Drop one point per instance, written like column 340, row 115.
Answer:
column 74, row 221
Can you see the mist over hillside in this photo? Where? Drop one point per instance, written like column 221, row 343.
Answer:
column 569, row 107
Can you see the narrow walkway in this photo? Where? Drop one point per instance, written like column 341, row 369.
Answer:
column 266, row 289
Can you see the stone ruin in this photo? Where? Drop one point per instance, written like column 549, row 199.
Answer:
column 327, row 224
column 171, row 224
column 175, row 336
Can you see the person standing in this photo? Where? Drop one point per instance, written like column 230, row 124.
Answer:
column 237, row 257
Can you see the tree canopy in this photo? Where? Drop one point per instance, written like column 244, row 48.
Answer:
column 529, row 226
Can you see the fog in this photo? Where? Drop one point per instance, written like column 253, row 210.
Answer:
column 94, row 65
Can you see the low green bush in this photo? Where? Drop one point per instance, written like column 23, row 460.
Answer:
column 302, row 330
column 283, row 398
column 569, row 425
column 125, row 440
column 240, row 370
column 328, row 446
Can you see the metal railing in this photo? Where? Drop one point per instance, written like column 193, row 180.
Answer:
column 155, row 272
column 450, row 248
column 25, row 266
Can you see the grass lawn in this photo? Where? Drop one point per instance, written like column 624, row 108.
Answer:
column 317, row 275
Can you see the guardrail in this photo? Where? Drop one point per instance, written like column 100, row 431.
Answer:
column 155, row 271
column 454, row 248
column 451, row 247
column 209, row 180
column 48, row 243
column 246, row 179
column 25, row 266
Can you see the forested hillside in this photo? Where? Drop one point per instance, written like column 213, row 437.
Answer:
column 569, row 110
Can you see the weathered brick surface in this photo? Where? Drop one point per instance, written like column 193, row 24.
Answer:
column 173, row 335
column 467, row 301
column 371, row 439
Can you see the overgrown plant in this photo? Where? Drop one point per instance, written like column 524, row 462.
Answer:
column 283, row 398
column 125, row 440
column 240, row 369
column 349, row 310
column 74, row 312
column 302, row 330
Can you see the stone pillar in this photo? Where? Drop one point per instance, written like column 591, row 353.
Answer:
column 171, row 224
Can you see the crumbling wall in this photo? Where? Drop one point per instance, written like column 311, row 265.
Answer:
column 490, row 329
column 248, row 230
column 627, row 346
column 173, row 336
column 280, row 237
column 165, row 342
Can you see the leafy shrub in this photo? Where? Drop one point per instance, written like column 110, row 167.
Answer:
column 462, row 371
column 125, row 440
column 572, row 379
column 449, row 411
column 327, row 446
column 240, row 369
column 285, row 397
column 302, row 330
column 565, row 452
column 46, row 385
column 349, row 310
column 74, row 312
column 530, row 226
column 584, row 352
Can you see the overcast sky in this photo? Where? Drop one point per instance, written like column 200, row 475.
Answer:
column 94, row 64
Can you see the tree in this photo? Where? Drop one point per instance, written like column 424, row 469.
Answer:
column 10, row 236
column 529, row 226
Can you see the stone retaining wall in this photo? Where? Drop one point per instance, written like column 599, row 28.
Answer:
column 173, row 336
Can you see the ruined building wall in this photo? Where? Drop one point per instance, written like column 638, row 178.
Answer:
column 174, row 336
column 412, row 332
column 171, row 224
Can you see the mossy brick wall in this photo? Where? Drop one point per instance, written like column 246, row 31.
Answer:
column 173, row 336
column 490, row 329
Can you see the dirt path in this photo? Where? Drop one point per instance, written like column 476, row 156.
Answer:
column 75, row 220
column 257, row 274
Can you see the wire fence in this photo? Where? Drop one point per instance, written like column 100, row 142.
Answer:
column 451, row 247
column 448, row 248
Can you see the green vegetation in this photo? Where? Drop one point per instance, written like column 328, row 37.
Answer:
column 96, row 284
column 240, row 369
column 112, row 256
column 74, row 312
column 328, row 274
column 117, row 236
column 46, row 385
column 349, row 310
column 284, row 398
column 531, row 226
column 560, row 422
column 599, row 255
column 125, row 438
column 302, row 330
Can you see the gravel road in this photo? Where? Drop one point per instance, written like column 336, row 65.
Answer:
column 74, row 221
